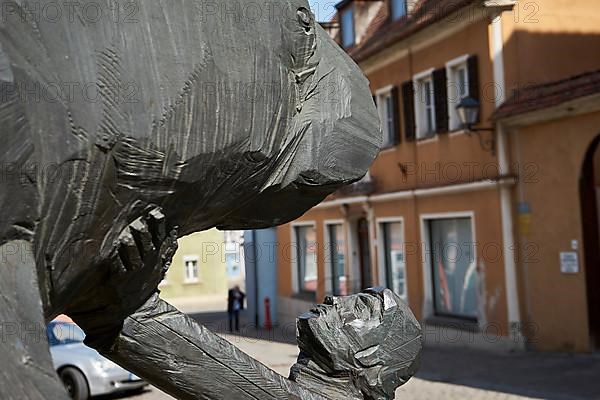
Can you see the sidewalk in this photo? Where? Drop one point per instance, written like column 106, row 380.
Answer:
column 280, row 356
column 200, row 304
column 446, row 373
column 449, row 372
column 537, row 375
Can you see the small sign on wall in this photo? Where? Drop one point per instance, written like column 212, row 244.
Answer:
column 569, row 262
column 524, row 218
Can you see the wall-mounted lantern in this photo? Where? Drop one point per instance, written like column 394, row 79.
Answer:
column 468, row 110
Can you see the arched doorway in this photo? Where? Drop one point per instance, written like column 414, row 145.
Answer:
column 589, row 187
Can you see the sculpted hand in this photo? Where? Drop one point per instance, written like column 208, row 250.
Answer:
column 140, row 259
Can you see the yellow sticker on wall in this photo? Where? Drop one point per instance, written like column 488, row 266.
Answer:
column 524, row 218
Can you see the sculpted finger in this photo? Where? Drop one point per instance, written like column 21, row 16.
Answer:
column 143, row 238
column 158, row 226
column 168, row 249
column 128, row 251
column 118, row 264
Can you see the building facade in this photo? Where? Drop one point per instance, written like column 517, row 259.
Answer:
column 489, row 233
column 198, row 269
column 234, row 259
column 261, row 276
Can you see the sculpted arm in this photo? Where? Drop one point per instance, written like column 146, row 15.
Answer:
column 155, row 340
column 188, row 361
column 354, row 347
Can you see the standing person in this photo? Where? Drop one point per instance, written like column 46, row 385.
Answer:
column 235, row 303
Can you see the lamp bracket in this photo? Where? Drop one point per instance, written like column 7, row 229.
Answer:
column 486, row 143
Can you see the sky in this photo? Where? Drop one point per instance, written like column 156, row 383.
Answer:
column 323, row 9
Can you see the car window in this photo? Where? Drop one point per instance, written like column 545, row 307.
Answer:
column 64, row 333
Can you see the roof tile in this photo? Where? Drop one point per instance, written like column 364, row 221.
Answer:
column 382, row 31
column 537, row 97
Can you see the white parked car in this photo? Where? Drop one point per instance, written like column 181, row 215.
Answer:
column 83, row 370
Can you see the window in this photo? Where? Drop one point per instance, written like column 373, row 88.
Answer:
column 458, row 88
column 232, row 256
column 347, row 26
column 337, row 261
column 61, row 333
column 385, row 105
column 306, row 258
column 453, row 266
column 425, row 105
column 233, row 265
column 393, row 257
column 191, row 269
column 398, row 8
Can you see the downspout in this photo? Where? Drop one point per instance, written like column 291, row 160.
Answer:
column 508, row 239
column 427, row 300
column 256, row 299
column 368, row 207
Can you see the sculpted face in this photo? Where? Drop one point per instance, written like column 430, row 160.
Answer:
column 226, row 113
column 289, row 119
column 372, row 337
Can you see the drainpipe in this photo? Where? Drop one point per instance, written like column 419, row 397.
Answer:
column 251, row 264
column 508, row 239
column 256, row 299
column 368, row 208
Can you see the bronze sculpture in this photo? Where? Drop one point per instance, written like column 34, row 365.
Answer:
column 122, row 134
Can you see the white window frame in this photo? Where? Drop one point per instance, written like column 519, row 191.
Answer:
column 380, row 222
column 186, row 277
column 294, row 252
column 328, row 261
column 419, row 100
column 386, row 115
column 428, row 306
column 453, row 100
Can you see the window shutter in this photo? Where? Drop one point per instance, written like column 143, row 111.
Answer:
column 375, row 100
column 396, row 115
column 408, row 102
column 440, row 93
column 473, row 71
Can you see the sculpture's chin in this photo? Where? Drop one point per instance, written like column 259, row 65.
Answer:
column 276, row 206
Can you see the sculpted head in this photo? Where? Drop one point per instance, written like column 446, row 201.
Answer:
column 290, row 120
column 270, row 117
column 371, row 338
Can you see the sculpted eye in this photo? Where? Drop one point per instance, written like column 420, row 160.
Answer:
column 304, row 18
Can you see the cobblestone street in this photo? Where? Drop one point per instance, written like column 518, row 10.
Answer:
column 460, row 374
column 446, row 373
column 416, row 389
